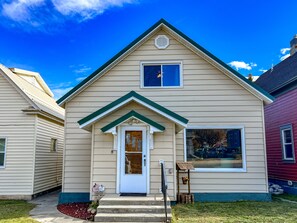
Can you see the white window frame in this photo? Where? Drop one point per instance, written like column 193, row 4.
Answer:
column 5, row 146
column 220, row 170
column 56, row 145
column 282, row 130
column 171, row 62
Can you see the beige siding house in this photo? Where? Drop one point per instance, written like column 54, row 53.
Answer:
column 31, row 135
column 164, row 98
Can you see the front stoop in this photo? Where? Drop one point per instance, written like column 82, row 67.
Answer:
column 113, row 208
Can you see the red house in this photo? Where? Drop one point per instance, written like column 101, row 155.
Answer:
column 281, row 121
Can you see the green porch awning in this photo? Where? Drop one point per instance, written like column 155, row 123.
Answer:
column 86, row 122
column 133, row 114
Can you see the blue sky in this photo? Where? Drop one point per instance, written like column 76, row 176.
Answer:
column 65, row 40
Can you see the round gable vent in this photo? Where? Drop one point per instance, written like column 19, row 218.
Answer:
column 162, row 42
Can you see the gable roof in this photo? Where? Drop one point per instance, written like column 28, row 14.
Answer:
column 281, row 77
column 37, row 98
column 129, row 115
column 86, row 122
column 253, row 88
column 36, row 76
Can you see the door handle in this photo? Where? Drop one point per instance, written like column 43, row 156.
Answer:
column 144, row 161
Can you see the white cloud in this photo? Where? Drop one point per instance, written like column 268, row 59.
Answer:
column 20, row 10
column 39, row 13
column 284, row 50
column 284, row 57
column 262, row 70
column 82, row 69
column 87, row 9
column 59, row 92
column 242, row 65
column 79, row 79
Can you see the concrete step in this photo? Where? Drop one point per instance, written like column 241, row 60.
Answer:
column 133, row 201
column 130, row 217
column 132, row 209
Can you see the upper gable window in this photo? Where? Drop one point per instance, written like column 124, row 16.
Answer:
column 161, row 74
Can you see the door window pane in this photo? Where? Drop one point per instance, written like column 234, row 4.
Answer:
column 133, row 163
column 133, row 152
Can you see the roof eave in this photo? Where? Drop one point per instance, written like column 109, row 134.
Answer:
column 101, row 70
column 254, row 89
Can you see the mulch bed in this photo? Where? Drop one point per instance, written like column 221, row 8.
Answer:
column 76, row 210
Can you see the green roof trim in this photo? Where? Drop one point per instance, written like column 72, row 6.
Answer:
column 129, row 115
column 81, row 84
column 162, row 21
column 261, row 90
column 139, row 97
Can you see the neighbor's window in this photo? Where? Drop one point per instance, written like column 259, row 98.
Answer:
column 2, row 151
column 53, row 145
column 161, row 75
column 220, row 149
column 287, row 143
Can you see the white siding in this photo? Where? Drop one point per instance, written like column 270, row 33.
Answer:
column 48, row 165
column 77, row 157
column 16, row 178
column 208, row 97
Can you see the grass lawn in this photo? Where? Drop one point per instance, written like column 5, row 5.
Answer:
column 12, row 211
column 247, row 212
column 290, row 197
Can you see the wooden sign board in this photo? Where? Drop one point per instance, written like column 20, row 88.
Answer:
column 184, row 166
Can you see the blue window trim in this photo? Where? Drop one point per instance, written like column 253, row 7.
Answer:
column 282, row 129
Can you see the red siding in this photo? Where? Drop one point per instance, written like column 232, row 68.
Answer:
column 281, row 112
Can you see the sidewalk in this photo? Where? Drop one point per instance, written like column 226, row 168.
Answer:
column 46, row 210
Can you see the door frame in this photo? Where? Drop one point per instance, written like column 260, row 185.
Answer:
column 120, row 134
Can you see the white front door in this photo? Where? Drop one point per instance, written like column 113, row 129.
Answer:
column 133, row 160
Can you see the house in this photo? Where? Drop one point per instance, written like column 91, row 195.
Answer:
column 281, row 120
column 31, row 135
column 165, row 98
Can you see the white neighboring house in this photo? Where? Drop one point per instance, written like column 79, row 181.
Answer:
column 31, row 135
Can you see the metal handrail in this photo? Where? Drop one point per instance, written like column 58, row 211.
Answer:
column 164, row 187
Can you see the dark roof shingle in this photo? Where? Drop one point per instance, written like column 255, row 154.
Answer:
column 280, row 75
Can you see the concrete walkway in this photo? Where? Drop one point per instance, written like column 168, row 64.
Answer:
column 46, row 210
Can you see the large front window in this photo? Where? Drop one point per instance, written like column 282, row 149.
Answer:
column 216, row 149
column 161, row 75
